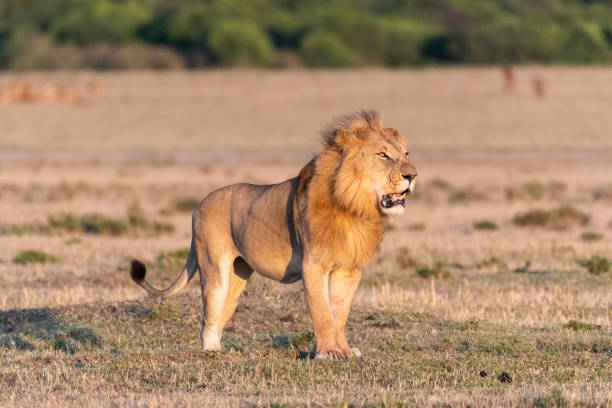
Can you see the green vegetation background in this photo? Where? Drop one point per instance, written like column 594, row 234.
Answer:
column 115, row 34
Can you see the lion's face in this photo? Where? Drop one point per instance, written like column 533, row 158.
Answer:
column 391, row 173
column 375, row 168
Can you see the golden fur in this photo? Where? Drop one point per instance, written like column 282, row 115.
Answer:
column 322, row 227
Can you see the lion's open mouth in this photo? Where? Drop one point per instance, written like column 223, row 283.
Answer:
column 393, row 199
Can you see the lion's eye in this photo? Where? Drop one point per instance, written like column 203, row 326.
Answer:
column 407, row 153
column 382, row 155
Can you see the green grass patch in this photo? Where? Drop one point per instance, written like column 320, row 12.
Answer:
column 390, row 227
column 92, row 223
column 417, row 226
column 95, row 223
column 303, row 340
column 560, row 218
column 535, row 189
column 68, row 222
column 490, row 261
column 437, row 271
column 162, row 311
column 177, row 254
column 32, row 256
column 102, row 224
column 440, row 184
column 136, row 216
column 73, row 241
column 591, row 236
column 576, row 325
column 464, row 196
column 596, row 264
column 524, row 268
column 404, row 258
column 555, row 399
column 160, row 227
column 485, row 225
column 185, row 204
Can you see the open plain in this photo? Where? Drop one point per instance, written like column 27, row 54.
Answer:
column 493, row 289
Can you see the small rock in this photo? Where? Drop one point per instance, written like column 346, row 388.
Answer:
column 483, row 373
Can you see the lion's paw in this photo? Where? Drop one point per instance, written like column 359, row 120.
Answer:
column 330, row 354
column 336, row 354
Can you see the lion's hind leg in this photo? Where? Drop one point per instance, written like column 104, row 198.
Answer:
column 240, row 277
column 222, row 284
column 215, row 279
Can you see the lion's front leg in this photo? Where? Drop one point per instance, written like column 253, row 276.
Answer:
column 343, row 285
column 317, row 295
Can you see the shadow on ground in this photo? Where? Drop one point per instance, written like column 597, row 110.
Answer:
column 32, row 329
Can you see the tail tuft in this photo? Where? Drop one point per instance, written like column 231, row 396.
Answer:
column 138, row 271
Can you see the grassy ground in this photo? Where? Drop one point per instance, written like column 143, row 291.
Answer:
column 491, row 290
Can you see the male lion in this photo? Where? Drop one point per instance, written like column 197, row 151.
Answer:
column 323, row 227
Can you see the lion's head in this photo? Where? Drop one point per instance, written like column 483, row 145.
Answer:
column 372, row 173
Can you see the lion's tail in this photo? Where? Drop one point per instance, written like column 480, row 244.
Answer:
column 138, row 272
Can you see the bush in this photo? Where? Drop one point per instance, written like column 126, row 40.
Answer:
column 38, row 53
column 285, row 30
column 327, row 50
column 596, row 264
column 189, row 26
column 485, row 225
column 585, row 44
column 91, row 22
column 501, row 41
column 33, row 256
column 236, row 42
column 402, row 42
column 134, row 56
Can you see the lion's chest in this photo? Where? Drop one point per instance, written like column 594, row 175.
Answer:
column 347, row 243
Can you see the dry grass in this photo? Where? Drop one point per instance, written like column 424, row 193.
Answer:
column 450, row 296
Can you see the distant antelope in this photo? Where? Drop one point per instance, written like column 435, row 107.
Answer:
column 538, row 86
column 508, row 75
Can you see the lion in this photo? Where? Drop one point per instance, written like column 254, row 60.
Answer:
column 322, row 226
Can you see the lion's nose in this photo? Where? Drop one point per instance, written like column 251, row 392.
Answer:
column 410, row 176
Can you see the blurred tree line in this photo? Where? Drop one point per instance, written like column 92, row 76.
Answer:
column 115, row 34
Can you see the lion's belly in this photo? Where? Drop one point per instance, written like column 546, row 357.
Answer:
column 280, row 266
column 267, row 249
column 261, row 232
